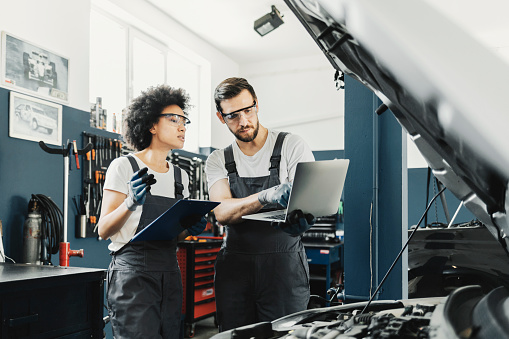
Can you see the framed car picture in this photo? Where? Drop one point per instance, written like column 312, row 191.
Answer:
column 35, row 119
column 34, row 70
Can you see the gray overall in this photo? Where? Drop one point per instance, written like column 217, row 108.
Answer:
column 144, row 294
column 261, row 273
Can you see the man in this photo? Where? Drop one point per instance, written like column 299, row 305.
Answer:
column 261, row 271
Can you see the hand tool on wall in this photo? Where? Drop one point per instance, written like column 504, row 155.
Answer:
column 81, row 217
column 109, row 149
column 76, row 154
column 86, row 191
column 87, row 182
column 103, row 151
column 99, row 153
column 65, row 251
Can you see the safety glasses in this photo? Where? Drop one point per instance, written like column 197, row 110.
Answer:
column 234, row 116
column 176, row 119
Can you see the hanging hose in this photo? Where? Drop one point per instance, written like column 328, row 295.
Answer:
column 51, row 227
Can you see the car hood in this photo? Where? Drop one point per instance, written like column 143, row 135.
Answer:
column 444, row 88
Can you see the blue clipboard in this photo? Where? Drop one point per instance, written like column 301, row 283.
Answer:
column 167, row 225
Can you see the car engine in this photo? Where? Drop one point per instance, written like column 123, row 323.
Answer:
column 467, row 312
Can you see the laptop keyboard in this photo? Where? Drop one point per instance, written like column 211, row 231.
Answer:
column 277, row 217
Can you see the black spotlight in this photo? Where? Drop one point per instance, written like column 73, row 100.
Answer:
column 268, row 22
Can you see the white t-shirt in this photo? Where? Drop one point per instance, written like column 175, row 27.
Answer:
column 118, row 175
column 294, row 150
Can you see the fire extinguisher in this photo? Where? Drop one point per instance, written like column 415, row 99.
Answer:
column 32, row 234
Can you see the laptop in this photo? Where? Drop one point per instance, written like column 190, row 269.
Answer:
column 316, row 189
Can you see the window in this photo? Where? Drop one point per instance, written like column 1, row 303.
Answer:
column 186, row 74
column 124, row 62
column 108, row 64
column 148, row 65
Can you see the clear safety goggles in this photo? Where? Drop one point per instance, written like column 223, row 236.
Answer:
column 234, row 116
column 176, row 119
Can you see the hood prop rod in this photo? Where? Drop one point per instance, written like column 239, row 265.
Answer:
column 401, row 252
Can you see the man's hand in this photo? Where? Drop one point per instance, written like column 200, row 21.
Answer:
column 138, row 187
column 194, row 223
column 296, row 223
column 276, row 195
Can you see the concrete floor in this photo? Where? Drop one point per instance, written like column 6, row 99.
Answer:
column 205, row 328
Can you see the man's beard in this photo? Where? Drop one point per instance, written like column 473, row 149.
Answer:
column 248, row 138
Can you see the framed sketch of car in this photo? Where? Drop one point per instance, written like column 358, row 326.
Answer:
column 35, row 119
column 36, row 66
column 34, row 70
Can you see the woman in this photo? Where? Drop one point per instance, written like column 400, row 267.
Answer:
column 144, row 294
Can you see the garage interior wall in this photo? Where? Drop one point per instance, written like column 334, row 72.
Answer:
column 302, row 87
column 29, row 170
column 299, row 95
column 65, row 31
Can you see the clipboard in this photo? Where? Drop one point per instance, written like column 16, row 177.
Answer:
column 167, row 225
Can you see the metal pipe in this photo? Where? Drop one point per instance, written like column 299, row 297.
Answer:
column 455, row 214
column 374, row 220
column 66, row 192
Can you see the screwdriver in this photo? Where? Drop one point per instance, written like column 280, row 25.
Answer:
column 76, row 154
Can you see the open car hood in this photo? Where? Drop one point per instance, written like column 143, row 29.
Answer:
column 445, row 89
column 448, row 92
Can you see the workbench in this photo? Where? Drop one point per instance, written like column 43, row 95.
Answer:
column 51, row 301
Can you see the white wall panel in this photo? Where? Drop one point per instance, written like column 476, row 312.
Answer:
column 299, row 95
column 59, row 26
column 63, row 27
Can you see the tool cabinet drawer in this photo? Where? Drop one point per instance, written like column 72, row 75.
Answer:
column 204, row 281
column 205, row 309
column 207, row 251
column 206, row 254
column 208, row 257
column 204, row 265
column 204, row 274
column 204, row 292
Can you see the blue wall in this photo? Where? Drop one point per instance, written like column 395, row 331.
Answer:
column 372, row 211
column 417, row 178
column 360, row 124
column 329, row 155
column 26, row 169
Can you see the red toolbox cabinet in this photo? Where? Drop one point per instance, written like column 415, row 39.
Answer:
column 196, row 260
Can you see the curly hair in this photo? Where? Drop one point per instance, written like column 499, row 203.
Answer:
column 144, row 111
column 230, row 88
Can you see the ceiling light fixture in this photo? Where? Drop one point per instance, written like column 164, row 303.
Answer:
column 268, row 22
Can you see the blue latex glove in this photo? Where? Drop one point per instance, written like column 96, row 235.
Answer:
column 276, row 195
column 296, row 223
column 139, row 185
column 194, row 223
